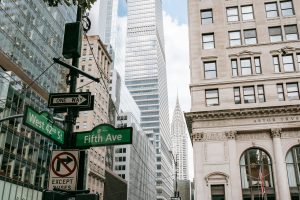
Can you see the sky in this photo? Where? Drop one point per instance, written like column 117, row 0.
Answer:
column 177, row 60
column 176, row 51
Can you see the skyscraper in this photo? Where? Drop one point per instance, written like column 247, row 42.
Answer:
column 179, row 142
column 31, row 34
column 244, row 120
column 145, row 77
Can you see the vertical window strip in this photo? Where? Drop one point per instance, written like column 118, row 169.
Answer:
column 234, row 67
column 257, row 65
column 276, row 64
column 237, row 95
column 261, row 93
column 298, row 60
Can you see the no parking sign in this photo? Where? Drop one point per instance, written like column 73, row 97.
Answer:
column 63, row 170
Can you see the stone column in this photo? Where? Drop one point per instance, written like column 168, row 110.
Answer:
column 234, row 176
column 200, row 190
column 280, row 166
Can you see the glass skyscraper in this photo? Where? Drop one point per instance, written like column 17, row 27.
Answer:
column 145, row 77
column 31, row 34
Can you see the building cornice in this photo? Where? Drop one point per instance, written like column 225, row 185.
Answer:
column 191, row 117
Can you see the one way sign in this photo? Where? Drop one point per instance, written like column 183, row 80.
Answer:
column 63, row 170
column 63, row 100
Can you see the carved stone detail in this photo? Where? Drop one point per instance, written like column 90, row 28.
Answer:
column 197, row 137
column 231, row 135
column 276, row 132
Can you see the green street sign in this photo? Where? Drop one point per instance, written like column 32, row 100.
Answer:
column 43, row 124
column 103, row 135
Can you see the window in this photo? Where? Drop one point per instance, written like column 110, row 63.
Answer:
column 217, row 192
column 257, row 65
column 286, row 8
column 291, row 32
column 206, row 16
column 249, row 94
column 292, row 91
column 208, row 41
column 234, row 67
column 237, row 95
column 276, row 64
column 246, row 66
column 210, row 70
column 250, row 36
column 271, row 10
column 280, row 92
column 247, row 12
column 275, row 34
column 232, row 14
column 255, row 164
column 288, row 63
column 212, row 97
column 261, row 93
column 234, row 38
column 298, row 59
column 292, row 166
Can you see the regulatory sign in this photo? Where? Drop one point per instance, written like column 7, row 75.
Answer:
column 63, row 100
column 63, row 170
column 103, row 135
column 43, row 124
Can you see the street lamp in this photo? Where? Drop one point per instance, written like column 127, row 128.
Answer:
column 176, row 193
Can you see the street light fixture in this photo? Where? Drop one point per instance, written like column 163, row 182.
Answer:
column 176, row 193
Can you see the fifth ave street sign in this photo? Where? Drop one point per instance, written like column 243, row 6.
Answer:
column 103, row 135
column 63, row 100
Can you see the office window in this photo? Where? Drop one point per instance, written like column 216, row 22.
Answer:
column 247, row 12
column 271, row 10
column 210, row 70
column 208, row 41
column 232, row 14
column 257, row 65
column 298, row 60
column 249, row 94
column 291, row 32
column 280, row 92
column 276, row 64
column 292, row 91
column 246, row 66
column 212, row 97
column 217, row 192
column 250, row 36
column 234, row 67
column 237, row 95
column 234, row 38
column 206, row 16
column 261, row 93
column 275, row 34
column 286, row 8
column 288, row 63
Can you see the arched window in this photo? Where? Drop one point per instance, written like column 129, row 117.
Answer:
column 256, row 175
column 292, row 167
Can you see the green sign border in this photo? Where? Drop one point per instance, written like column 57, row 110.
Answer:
column 37, row 130
column 89, row 146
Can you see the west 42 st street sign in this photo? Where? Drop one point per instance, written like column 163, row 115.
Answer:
column 103, row 135
column 42, row 123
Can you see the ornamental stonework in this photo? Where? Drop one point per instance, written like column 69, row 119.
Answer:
column 276, row 132
column 231, row 135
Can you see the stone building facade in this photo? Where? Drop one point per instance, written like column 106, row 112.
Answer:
column 96, row 61
column 245, row 116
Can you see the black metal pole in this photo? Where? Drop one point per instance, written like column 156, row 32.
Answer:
column 73, row 114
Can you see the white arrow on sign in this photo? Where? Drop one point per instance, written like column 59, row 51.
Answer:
column 61, row 100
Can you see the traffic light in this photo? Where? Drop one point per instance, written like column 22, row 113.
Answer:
column 72, row 40
column 54, row 195
column 87, row 197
